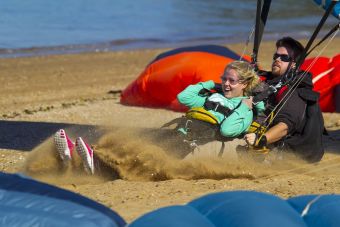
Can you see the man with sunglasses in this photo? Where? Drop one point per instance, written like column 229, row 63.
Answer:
column 288, row 129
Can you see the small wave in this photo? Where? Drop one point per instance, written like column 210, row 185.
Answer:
column 133, row 44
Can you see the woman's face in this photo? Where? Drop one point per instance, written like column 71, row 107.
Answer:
column 231, row 84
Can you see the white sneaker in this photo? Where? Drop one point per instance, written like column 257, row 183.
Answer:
column 64, row 145
column 86, row 154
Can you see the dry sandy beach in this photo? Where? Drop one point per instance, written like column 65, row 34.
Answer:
column 40, row 94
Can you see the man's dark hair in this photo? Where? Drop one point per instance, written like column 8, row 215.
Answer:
column 294, row 47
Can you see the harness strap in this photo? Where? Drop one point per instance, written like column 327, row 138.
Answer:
column 202, row 114
column 217, row 107
column 280, row 94
column 286, row 80
column 265, row 94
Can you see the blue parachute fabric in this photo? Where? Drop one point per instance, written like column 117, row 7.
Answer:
column 241, row 208
column 325, row 4
column 26, row 202
column 173, row 216
column 318, row 210
column 248, row 208
column 232, row 209
column 212, row 49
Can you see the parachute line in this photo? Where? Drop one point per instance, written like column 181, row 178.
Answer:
column 336, row 28
column 247, row 43
column 316, row 32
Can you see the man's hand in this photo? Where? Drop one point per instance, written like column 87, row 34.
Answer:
column 250, row 138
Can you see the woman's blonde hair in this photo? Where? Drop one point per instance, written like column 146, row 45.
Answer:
column 246, row 74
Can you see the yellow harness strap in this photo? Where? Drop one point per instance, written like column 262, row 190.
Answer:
column 256, row 128
column 199, row 113
column 260, row 130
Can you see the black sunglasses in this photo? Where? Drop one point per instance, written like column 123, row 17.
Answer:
column 283, row 57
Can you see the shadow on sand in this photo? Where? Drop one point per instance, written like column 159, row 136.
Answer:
column 24, row 136
column 332, row 142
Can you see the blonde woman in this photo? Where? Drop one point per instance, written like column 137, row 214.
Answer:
column 233, row 107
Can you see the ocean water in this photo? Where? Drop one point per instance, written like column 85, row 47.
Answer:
column 34, row 27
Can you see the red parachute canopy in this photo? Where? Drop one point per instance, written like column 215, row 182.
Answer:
column 172, row 71
column 326, row 76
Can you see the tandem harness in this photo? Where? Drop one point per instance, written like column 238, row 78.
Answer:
column 217, row 107
column 260, row 126
column 203, row 115
column 205, row 121
column 306, row 140
column 199, row 126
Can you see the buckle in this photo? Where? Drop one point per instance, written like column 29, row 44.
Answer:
column 217, row 105
column 273, row 89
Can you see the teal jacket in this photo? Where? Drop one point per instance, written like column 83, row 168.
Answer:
column 237, row 123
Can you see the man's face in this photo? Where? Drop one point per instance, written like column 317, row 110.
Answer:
column 280, row 63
